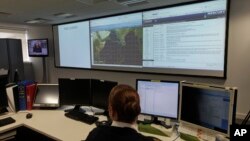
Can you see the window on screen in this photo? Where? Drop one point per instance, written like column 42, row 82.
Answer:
column 158, row 98
column 188, row 37
column 74, row 45
column 117, row 41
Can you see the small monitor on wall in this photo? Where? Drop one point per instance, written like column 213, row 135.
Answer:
column 38, row 47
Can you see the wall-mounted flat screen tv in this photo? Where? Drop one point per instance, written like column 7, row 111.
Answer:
column 38, row 47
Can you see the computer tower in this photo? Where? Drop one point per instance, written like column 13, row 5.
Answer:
column 11, row 58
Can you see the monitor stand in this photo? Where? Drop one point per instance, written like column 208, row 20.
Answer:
column 107, row 122
column 162, row 123
column 77, row 108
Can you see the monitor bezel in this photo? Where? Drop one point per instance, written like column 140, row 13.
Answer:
column 93, row 103
column 46, row 104
column 38, row 55
column 166, row 81
column 232, row 91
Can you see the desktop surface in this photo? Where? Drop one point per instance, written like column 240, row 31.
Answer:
column 53, row 124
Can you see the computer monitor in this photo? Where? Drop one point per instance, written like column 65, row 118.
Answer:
column 47, row 95
column 100, row 90
column 74, row 92
column 208, row 108
column 3, row 95
column 158, row 98
column 38, row 47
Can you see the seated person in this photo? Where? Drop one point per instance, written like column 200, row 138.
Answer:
column 124, row 108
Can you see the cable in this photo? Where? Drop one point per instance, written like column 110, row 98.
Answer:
column 178, row 135
column 177, row 130
column 244, row 122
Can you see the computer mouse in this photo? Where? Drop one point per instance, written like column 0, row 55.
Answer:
column 29, row 115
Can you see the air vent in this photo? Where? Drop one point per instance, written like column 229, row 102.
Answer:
column 90, row 2
column 132, row 2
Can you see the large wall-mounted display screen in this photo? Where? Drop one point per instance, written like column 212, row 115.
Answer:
column 188, row 39
column 72, row 45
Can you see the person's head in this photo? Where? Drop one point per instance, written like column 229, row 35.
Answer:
column 124, row 104
column 38, row 44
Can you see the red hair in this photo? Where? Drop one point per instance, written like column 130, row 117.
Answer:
column 124, row 101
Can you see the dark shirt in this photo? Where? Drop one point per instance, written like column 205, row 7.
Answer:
column 37, row 49
column 111, row 133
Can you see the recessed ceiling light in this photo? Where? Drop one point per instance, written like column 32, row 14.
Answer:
column 64, row 15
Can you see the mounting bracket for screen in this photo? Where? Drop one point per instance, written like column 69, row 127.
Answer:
column 44, row 71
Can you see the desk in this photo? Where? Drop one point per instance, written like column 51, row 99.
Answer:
column 53, row 124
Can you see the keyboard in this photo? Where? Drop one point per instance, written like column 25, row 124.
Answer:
column 79, row 116
column 6, row 121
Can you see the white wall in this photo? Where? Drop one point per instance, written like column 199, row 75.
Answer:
column 36, row 32
column 238, row 53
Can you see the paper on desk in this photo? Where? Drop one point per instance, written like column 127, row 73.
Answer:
column 144, row 117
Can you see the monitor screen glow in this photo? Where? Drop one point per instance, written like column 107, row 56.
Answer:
column 159, row 98
column 47, row 95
